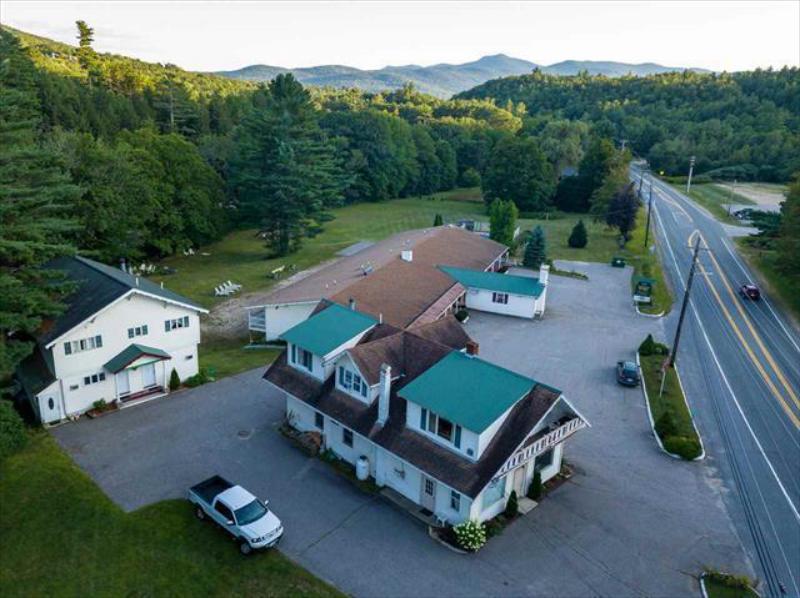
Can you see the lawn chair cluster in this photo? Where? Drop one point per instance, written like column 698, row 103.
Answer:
column 143, row 269
column 276, row 273
column 227, row 288
column 188, row 251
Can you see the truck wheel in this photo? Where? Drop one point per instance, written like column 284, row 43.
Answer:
column 199, row 513
column 245, row 548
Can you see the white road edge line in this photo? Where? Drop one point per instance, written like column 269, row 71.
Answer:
column 728, row 385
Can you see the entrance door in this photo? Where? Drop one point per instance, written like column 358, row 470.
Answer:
column 519, row 481
column 50, row 409
column 148, row 375
column 428, row 499
column 123, row 383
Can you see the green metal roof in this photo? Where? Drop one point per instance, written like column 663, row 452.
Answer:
column 328, row 329
column 467, row 390
column 493, row 281
column 130, row 354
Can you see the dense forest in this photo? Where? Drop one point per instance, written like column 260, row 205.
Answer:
column 742, row 125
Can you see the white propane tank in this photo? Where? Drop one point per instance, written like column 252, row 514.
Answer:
column 362, row 468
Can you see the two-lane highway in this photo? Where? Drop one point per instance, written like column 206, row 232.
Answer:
column 740, row 364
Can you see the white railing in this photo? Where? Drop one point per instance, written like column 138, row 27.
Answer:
column 544, row 443
column 257, row 320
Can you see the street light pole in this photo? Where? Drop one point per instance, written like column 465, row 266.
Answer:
column 649, row 211
column 689, row 180
column 673, row 354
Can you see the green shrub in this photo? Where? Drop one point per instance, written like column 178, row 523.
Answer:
column 462, row 314
column 683, row 446
column 470, row 178
column 12, row 430
column 535, row 489
column 666, row 426
column 199, row 378
column 100, row 405
column 437, row 220
column 470, row 535
column 650, row 347
column 737, row 582
column 512, row 506
column 174, row 380
column 578, row 237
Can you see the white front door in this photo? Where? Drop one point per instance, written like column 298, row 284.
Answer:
column 50, row 409
column 148, row 375
column 428, row 498
column 123, row 383
column 519, row 481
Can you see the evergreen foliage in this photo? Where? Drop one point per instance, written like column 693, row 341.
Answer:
column 503, row 221
column 535, row 489
column 36, row 197
column 788, row 243
column 174, row 380
column 578, row 238
column 13, row 436
column 622, row 210
column 437, row 220
column 536, row 249
column 512, row 506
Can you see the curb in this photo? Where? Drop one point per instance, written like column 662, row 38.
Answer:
column 702, row 454
column 435, row 538
column 641, row 313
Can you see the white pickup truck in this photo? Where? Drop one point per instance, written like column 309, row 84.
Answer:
column 238, row 512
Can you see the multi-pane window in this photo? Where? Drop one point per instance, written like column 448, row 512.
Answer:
column 176, row 323
column 351, row 381
column 137, row 331
column 441, row 427
column 347, row 437
column 543, row 460
column 307, row 359
column 84, row 344
column 500, row 298
column 455, row 501
column 94, row 378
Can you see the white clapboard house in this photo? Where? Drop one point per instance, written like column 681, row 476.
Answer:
column 118, row 339
column 437, row 424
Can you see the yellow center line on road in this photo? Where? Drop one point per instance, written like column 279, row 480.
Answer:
column 671, row 201
column 750, row 327
column 757, row 362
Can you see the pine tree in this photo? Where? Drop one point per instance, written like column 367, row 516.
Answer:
column 35, row 196
column 788, row 244
column 437, row 220
column 285, row 172
column 535, row 250
column 578, row 238
column 174, row 380
column 512, row 506
column 87, row 57
column 535, row 489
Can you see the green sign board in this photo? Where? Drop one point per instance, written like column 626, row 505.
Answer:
column 643, row 289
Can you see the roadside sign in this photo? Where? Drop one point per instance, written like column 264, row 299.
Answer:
column 643, row 289
column 617, row 262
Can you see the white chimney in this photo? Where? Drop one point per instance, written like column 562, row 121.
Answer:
column 407, row 255
column 544, row 274
column 352, row 303
column 384, row 390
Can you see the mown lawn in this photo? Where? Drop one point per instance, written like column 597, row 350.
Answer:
column 715, row 199
column 717, row 590
column 61, row 536
column 226, row 357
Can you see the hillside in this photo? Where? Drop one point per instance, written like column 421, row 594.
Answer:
column 442, row 80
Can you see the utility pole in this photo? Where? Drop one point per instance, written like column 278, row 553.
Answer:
column 674, row 352
column 649, row 210
column 730, row 196
column 689, row 180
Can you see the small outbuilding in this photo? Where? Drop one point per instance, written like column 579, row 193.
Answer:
column 507, row 294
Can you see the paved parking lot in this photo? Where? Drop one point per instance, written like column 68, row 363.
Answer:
column 631, row 522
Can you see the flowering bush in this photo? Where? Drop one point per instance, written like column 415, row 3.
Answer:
column 471, row 535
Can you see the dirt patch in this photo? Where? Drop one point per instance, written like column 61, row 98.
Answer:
column 765, row 196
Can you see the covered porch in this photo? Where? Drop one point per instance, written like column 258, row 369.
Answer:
column 140, row 372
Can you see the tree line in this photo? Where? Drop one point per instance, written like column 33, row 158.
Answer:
column 742, row 125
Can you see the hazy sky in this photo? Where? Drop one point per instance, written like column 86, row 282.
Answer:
column 228, row 35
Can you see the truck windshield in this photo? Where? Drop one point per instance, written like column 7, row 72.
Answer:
column 250, row 513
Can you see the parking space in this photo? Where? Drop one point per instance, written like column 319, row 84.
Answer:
column 630, row 522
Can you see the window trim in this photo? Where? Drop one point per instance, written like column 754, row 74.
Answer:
column 500, row 298
column 319, row 420
column 455, row 501
column 347, row 433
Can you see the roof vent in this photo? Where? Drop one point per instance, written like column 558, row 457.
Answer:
column 407, row 255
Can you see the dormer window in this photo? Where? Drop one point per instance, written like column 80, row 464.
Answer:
column 441, row 427
column 352, row 382
column 302, row 357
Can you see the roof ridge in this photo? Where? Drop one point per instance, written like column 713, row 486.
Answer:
column 101, row 268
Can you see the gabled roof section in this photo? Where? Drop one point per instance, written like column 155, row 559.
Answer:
column 328, row 329
column 467, row 390
column 130, row 354
column 97, row 286
column 35, row 373
column 493, row 281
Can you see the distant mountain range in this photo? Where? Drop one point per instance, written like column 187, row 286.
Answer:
column 441, row 80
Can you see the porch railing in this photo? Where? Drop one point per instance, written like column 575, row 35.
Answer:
column 544, row 443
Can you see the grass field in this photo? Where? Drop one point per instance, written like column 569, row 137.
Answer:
column 241, row 256
column 68, row 539
column 715, row 199
column 226, row 356
column 786, row 288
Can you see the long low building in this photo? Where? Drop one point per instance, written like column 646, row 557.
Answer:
column 396, row 280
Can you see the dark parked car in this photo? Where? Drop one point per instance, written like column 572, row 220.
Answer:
column 750, row 291
column 627, row 373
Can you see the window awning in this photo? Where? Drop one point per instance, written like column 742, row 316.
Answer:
column 131, row 353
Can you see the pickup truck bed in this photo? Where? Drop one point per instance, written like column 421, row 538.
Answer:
column 207, row 490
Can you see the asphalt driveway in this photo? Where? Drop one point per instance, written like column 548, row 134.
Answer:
column 631, row 521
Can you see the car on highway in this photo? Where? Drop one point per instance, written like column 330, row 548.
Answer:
column 750, row 291
column 238, row 512
column 627, row 373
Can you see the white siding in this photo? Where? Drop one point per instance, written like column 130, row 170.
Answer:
column 112, row 325
column 346, row 362
column 522, row 306
column 280, row 318
column 488, row 434
column 469, row 440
